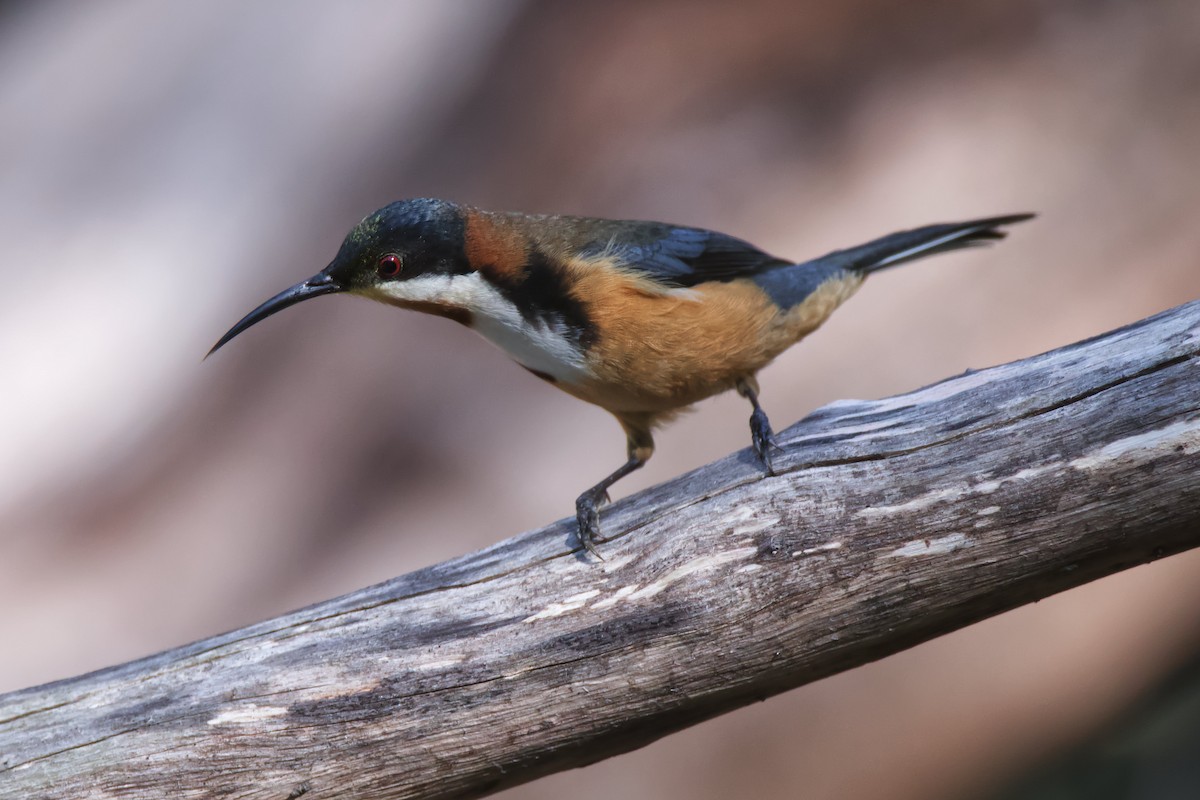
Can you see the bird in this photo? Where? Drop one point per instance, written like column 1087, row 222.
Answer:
column 641, row 318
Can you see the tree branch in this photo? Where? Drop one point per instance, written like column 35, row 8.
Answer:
column 892, row 522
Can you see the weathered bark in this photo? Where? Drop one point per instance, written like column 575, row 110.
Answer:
column 892, row 522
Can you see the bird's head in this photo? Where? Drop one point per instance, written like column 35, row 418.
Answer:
column 406, row 253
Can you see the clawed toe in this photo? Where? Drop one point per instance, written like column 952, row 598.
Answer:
column 763, row 439
column 587, row 515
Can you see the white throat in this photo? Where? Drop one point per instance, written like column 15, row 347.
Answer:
column 545, row 348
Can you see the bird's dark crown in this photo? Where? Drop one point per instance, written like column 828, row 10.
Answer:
column 426, row 234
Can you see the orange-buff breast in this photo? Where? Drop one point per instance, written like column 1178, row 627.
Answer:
column 658, row 350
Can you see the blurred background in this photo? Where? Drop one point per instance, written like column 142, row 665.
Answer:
column 165, row 167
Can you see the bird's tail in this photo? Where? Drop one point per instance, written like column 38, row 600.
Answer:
column 898, row 248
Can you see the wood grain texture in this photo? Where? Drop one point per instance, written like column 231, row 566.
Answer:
column 892, row 522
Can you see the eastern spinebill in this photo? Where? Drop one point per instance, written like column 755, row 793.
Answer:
column 641, row 318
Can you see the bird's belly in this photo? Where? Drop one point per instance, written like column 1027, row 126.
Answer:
column 656, row 353
column 660, row 353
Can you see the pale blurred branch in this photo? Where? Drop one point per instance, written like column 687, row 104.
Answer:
column 892, row 522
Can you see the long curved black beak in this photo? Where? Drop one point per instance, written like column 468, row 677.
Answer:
column 314, row 286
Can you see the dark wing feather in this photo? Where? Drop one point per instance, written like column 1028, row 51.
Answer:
column 678, row 256
column 681, row 256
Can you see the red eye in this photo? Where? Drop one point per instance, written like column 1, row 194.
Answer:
column 389, row 266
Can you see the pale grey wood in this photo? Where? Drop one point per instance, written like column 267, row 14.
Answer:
column 893, row 521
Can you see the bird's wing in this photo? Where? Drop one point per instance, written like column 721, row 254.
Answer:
column 679, row 256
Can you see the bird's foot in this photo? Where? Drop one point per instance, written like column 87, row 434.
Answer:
column 587, row 515
column 763, row 438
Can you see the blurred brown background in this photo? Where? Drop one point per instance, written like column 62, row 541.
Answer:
column 165, row 167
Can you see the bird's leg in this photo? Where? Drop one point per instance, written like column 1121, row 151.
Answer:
column 587, row 507
column 761, row 435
